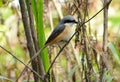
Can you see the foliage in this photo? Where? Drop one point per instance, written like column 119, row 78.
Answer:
column 72, row 65
column 38, row 14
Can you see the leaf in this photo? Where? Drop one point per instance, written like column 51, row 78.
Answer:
column 110, row 79
column 41, row 35
column 72, row 71
column 114, row 51
column 1, row 3
column 107, row 77
column 37, row 7
column 5, row 78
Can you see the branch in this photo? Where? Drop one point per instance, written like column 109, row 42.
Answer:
column 30, row 43
column 21, row 61
column 34, row 36
column 105, row 33
column 105, row 36
column 32, row 27
column 29, row 62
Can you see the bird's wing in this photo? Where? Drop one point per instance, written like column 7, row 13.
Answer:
column 59, row 29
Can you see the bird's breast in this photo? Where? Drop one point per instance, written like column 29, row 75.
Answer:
column 67, row 33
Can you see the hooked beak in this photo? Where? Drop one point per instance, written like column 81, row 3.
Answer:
column 76, row 21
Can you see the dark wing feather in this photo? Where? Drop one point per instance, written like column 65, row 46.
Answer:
column 55, row 32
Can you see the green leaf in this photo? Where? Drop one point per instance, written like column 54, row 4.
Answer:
column 115, row 20
column 114, row 51
column 107, row 77
column 72, row 71
column 1, row 3
column 37, row 7
column 34, row 9
column 41, row 35
column 110, row 79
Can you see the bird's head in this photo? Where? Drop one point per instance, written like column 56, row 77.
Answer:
column 69, row 19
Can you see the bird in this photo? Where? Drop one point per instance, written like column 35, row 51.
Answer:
column 61, row 34
column 63, row 31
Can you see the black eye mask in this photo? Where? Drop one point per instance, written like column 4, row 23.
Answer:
column 70, row 21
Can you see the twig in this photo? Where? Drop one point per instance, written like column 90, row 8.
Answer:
column 117, row 34
column 32, row 27
column 105, row 36
column 21, row 61
column 20, row 74
column 50, row 15
column 57, row 56
column 85, row 47
column 30, row 61
column 58, row 8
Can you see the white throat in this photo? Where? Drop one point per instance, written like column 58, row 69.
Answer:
column 69, row 24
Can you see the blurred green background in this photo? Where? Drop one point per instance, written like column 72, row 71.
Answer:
column 12, row 37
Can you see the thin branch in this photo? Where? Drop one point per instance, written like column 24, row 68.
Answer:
column 104, row 60
column 32, row 27
column 30, row 61
column 57, row 56
column 20, row 61
column 58, row 8
column 105, row 33
column 25, row 68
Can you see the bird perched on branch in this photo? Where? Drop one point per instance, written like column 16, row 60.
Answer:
column 61, row 34
column 63, row 31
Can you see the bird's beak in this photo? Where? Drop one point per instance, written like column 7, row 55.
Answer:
column 76, row 22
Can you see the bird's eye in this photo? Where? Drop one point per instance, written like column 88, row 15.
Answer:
column 75, row 21
column 70, row 21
